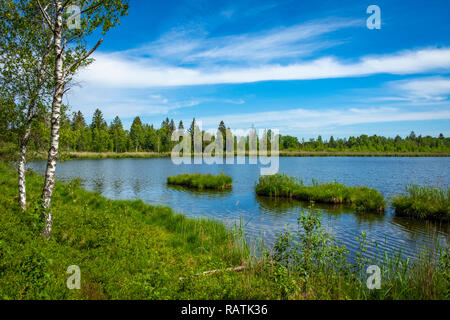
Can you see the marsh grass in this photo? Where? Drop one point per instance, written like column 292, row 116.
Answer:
column 363, row 199
column 202, row 181
column 310, row 263
column 423, row 203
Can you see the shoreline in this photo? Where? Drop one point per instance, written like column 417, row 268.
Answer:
column 148, row 155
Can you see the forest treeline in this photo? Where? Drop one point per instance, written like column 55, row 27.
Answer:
column 78, row 135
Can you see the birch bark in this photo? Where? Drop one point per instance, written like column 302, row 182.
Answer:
column 49, row 183
column 22, row 160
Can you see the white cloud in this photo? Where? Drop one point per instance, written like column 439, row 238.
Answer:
column 297, row 120
column 125, row 103
column 116, row 71
column 432, row 88
column 294, row 41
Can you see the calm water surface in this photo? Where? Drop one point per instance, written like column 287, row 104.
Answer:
column 263, row 218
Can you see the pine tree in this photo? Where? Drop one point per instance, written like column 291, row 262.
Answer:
column 98, row 122
column 118, row 135
column 137, row 134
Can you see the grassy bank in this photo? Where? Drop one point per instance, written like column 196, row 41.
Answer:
column 363, row 199
column 131, row 250
column 202, row 181
column 125, row 249
column 423, row 203
column 141, row 155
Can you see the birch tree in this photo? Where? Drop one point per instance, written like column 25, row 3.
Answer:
column 25, row 47
column 69, row 38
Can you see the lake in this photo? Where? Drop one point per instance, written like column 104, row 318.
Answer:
column 146, row 179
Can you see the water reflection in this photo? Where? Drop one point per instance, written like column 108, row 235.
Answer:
column 98, row 185
column 136, row 187
column 208, row 193
column 117, row 187
column 437, row 232
column 270, row 205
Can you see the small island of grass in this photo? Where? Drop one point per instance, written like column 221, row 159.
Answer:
column 363, row 199
column 424, row 203
column 202, row 181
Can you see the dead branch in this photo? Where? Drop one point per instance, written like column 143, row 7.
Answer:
column 235, row 269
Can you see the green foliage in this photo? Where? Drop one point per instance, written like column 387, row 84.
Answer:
column 423, row 203
column 25, row 92
column 310, row 263
column 375, row 144
column 289, row 143
column 202, row 181
column 363, row 199
column 137, row 134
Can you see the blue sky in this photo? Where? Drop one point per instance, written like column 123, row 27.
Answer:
column 303, row 67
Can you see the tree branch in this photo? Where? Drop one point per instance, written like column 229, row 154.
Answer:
column 84, row 57
column 65, row 4
column 93, row 7
column 45, row 15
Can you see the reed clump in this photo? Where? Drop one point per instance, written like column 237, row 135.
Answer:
column 309, row 263
column 202, row 181
column 363, row 199
column 424, row 203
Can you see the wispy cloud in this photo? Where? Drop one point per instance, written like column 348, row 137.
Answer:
column 414, row 91
column 116, row 71
column 131, row 103
column 195, row 46
column 284, row 42
column 301, row 120
column 430, row 88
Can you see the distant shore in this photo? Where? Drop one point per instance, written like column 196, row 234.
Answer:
column 124, row 155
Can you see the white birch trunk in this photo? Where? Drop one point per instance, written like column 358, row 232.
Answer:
column 21, row 167
column 49, row 183
column 27, row 134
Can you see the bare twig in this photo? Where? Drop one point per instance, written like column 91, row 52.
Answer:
column 235, row 269
column 45, row 15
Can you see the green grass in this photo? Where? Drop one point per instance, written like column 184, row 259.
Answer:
column 423, row 203
column 125, row 249
column 132, row 250
column 202, row 181
column 363, row 199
